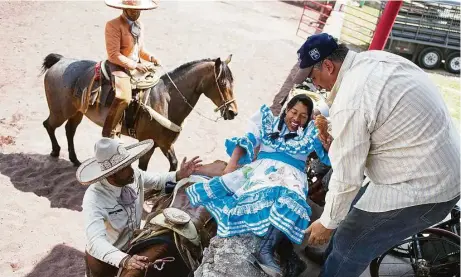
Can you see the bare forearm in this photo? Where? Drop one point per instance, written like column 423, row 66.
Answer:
column 236, row 155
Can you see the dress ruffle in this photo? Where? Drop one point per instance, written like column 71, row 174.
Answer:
column 247, row 142
column 253, row 212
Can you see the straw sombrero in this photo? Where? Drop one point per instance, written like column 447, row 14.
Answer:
column 317, row 98
column 110, row 157
column 132, row 4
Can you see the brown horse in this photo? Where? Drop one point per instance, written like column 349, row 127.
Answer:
column 173, row 100
column 164, row 246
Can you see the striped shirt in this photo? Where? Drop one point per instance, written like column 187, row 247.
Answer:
column 391, row 124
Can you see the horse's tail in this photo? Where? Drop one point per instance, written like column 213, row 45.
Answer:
column 49, row 61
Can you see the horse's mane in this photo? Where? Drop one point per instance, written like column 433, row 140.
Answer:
column 181, row 70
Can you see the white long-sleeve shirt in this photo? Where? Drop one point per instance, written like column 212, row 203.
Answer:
column 108, row 225
column 390, row 123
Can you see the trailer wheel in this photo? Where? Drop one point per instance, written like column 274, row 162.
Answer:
column 452, row 63
column 430, row 58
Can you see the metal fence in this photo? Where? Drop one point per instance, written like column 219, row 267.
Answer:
column 359, row 25
column 314, row 17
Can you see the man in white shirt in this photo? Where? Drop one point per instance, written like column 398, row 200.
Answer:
column 389, row 123
column 112, row 205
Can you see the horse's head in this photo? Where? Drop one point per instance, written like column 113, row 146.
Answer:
column 221, row 93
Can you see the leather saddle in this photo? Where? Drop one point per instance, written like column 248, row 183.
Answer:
column 145, row 80
column 190, row 238
column 95, row 85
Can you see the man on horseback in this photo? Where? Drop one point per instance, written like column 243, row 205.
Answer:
column 124, row 37
column 112, row 205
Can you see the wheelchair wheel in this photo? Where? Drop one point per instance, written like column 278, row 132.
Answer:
column 431, row 253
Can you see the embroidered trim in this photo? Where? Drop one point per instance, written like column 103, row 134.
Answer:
column 252, row 208
column 115, row 159
column 295, row 207
column 246, row 143
column 208, row 190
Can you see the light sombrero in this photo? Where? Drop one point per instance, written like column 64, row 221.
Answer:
column 317, row 99
column 132, row 4
column 110, row 157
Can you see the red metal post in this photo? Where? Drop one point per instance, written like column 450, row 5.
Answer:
column 383, row 29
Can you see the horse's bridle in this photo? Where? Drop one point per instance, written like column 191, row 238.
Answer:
column 224, row 106
column 227, row 103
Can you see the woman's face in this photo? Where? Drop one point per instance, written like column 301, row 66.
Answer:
column 296, row 117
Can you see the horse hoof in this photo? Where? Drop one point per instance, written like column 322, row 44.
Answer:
column 75, row 161
column 54, row 154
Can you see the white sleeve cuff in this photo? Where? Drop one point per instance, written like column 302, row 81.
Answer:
column 327, row 222
column 115, row 258
column 171, row 177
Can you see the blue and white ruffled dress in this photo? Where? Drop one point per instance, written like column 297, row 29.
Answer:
column 271, row 189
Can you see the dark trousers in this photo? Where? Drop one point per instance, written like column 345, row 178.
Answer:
column 363, row 236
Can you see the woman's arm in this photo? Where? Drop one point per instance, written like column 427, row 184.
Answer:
column 233, row 162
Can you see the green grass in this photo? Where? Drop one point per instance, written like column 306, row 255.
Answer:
column 358, row 25
column 450, row 88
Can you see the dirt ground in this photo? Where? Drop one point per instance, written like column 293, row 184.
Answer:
column 41, row 224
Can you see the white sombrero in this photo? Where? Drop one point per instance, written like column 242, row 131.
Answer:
column 110, row 157
column 317, row 98
column 132, row 4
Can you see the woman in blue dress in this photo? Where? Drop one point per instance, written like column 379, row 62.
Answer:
column 265, row 192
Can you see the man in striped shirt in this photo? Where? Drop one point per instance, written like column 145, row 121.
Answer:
column 390, row 124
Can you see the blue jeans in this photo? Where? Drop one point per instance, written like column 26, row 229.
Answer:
column 363, row 236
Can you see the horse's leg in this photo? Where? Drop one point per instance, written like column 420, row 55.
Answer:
column 50, row 124
column 144, row 160
column 171, row 156
column 97, row 268
column 71, row 127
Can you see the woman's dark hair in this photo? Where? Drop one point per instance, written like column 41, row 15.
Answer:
column 304, row 99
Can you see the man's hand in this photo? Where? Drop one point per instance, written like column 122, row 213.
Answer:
column 142, row 68
column 319, row 235
column 155, row 61
column 136, row 262
column 188, row 167
column 321, row 123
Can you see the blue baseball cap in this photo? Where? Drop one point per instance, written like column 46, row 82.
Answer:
column 315, row 49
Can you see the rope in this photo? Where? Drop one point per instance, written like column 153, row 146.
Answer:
column 159, row 268
column 186, row 101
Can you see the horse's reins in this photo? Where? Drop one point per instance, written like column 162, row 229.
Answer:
column 224, row 105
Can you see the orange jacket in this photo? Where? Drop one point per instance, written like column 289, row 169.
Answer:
column 120, row 43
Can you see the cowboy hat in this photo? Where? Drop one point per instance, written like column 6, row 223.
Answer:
column 317, row 98
column 110, row 157
column 132, row 4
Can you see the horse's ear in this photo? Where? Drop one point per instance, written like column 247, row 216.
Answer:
column 217, row 63
column 218, row 67
column 229, row 59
